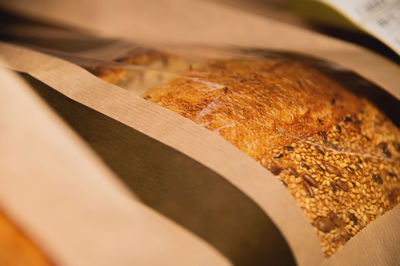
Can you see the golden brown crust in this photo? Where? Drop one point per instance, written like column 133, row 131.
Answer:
column 337, row 154
column 265, row 100
column 139, row 56
column 16, row 249
column 112, row 75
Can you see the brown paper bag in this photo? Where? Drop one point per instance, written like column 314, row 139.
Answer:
column 173, row 184
column 70, row 203
column 223, row 163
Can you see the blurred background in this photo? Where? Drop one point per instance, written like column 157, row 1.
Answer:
column 317, row 16
column 322, row 16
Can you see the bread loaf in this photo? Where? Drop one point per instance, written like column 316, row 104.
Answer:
column 337, row 154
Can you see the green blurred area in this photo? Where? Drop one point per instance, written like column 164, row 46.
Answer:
column 320, row 12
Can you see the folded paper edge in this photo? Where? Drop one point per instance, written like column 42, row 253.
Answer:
column 68, row 234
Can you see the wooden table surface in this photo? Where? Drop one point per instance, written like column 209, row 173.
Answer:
column 16, row 249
